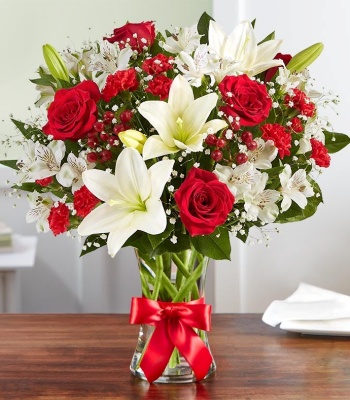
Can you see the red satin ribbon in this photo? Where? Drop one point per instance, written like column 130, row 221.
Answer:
column 174, row 323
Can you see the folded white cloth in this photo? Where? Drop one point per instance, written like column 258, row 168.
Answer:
column 311, row 309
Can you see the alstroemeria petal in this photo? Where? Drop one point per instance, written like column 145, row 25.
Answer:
column 159, row 174
column 161, row 117
column 100, row 183
column 180, row 95
column 155, row 147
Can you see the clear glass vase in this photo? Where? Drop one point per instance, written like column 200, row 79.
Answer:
column 175, row 278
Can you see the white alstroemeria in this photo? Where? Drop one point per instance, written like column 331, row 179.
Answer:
column 47, row 159
column 40, row 209
column 295, row 188
column 289, row 80
column 70, row 173
column 78, row 63
column 195, row 67
column 24, row 173
column 46, row 95
column 262, row 156
column 181, row 122
column 131, row 199
column 183, row 39
column 261, row 203
column 241, row 48
column 109, row 60
column 239, row 179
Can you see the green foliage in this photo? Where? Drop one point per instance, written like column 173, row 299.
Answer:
column 216, row 246
column 335, row 141
column 9, row 163
column 91, row 243
column 203, row 27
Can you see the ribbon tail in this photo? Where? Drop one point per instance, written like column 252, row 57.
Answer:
column 191, row 347
column 157, row 353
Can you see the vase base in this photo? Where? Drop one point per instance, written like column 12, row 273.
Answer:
column 180, row 374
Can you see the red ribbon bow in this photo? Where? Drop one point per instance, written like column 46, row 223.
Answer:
column 174, row 323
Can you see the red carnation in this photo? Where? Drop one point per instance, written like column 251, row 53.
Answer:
column 320, row 153
column 84, row 201
column 280, row 137
column 296, row 125
column 121, row 80
column 159, row 86
column 157, row 64
column 301, row 102
column 59, row 218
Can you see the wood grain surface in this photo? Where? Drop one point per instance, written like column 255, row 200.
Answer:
column 87, row 357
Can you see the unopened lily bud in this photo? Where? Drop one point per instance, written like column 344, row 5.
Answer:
column 134, row 139
column 54, row 63
column 305, row 57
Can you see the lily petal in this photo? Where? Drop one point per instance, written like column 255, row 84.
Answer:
column 161, row 117
column 180, row 95
column 155, row 147
column 101, row 184
column 159, row 174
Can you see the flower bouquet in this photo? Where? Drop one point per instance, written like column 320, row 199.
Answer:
column 172, row 144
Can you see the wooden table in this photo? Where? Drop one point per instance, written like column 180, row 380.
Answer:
column 87, row 357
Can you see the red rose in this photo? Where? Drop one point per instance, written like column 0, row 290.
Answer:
column 280, row 137
column 121, row 80
column 269, row 74
column 84, row 201
column 136, row 35
column 301, row 102
column 204, row 202
column 320, row 153
column 245, row 99
column 73, row 112
column 59, row 219
column 160, row 86
column 157, row 64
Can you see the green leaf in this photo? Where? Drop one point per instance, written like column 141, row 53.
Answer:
column 305, row 57
column 335, row 141
column 9, row 163
column 203, row 27
column 253, row 23
column 271, row 36
column 95, row 242
column 140, row 241
column 156, row 240
column 216, row 246
column 183, row 243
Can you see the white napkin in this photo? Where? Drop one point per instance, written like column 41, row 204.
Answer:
column 311, row 309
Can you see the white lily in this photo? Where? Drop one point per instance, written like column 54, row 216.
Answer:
column 70, row 173
column 131, row 199
column 261, row 203
column 40, row 209
column 240, row 52
column 239, row 179
column 262, row 156
column 294, row 188
column 181, row 123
